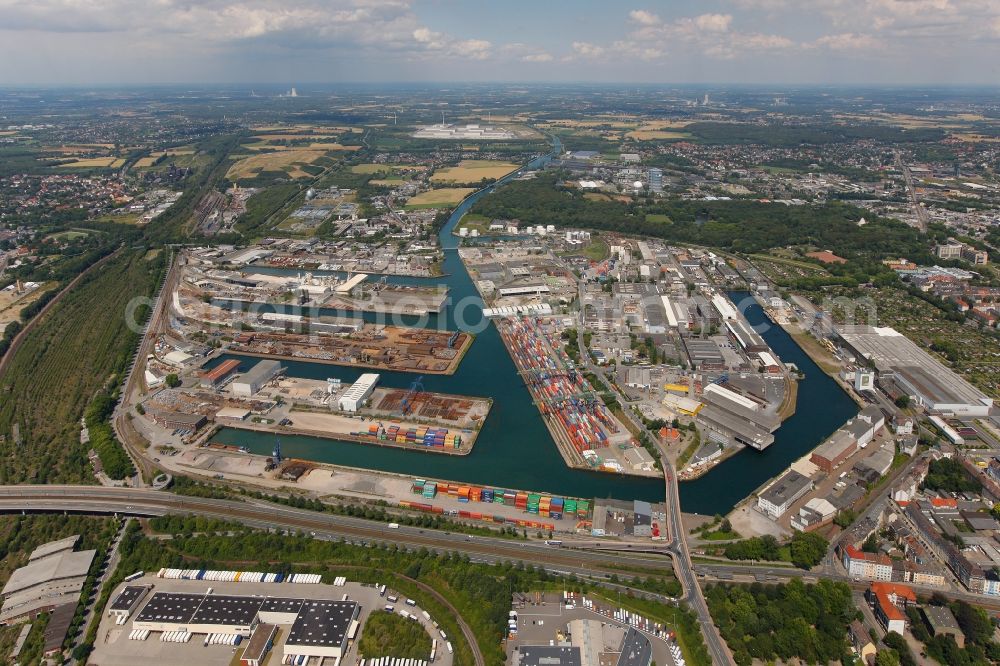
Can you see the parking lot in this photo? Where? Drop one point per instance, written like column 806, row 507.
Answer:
column 542, row 619
column 113, row 647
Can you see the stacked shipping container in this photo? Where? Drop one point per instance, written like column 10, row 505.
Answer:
column 534, row 503
column 438, row 438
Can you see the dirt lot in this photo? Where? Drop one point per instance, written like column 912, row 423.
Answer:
column 284, row 160
column 473, row 171
column 112, row 162
column 447, row 196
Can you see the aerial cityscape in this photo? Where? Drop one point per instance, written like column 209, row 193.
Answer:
column 424, row 334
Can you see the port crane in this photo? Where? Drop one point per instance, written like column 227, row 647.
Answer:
column 416, row 387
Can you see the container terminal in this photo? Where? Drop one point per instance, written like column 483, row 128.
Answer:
column 587, row 434
column 486, row 504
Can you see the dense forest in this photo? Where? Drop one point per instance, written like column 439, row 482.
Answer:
column 739, row 225
column 788, row 135
column 391, row 635
column 80, row 347
column 784, row 622
column 114, row 460
column 805, row 549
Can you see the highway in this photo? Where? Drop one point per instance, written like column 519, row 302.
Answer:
column 265, row 515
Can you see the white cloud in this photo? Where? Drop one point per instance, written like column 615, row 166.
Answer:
column 847, row 41
column 644, row 17
column 477, row 49
column 375, row 26
column 588, row 50
column 713, row 22
column 710, row 34
column 537, row 57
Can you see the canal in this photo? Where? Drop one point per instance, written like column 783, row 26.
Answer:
column 514, row 448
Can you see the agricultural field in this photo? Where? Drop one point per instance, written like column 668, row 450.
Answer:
column 315, row 145
column 473, row 171
column 299, row 130
column 444, row 197
column 301, row 138
column 656, row 135
column 289, row 161
column 78, row 148
column 82, row 343
column 94, row 163
column 150, row 160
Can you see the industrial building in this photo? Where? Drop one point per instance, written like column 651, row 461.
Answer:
column 835, row 450
column 624, row 519
column 220, row 373
column 855, row 434
column 703, row 354
column 252, row 381
column 530, row 289
column 53, row 576
column 178, row 420
column 731, row 416
column 471, row 131
column 781, row 494
column 905, row 368
column 319, row 627
column 128, row 600
column 354, row 397
column 940, row 620
column 816, row 513
column 349, row 284
column 747, row 338
column 548, row 655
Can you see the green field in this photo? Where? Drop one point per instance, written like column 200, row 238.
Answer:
column 78, row 346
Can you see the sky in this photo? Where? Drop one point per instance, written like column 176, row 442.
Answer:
column 891, row 42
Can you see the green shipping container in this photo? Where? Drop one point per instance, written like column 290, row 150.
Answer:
column 569, row 506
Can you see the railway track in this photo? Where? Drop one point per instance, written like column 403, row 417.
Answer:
column 276, row 517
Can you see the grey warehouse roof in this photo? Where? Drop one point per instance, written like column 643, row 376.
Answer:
column 322, row 623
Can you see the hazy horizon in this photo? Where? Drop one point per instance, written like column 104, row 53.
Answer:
column 717, row 42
